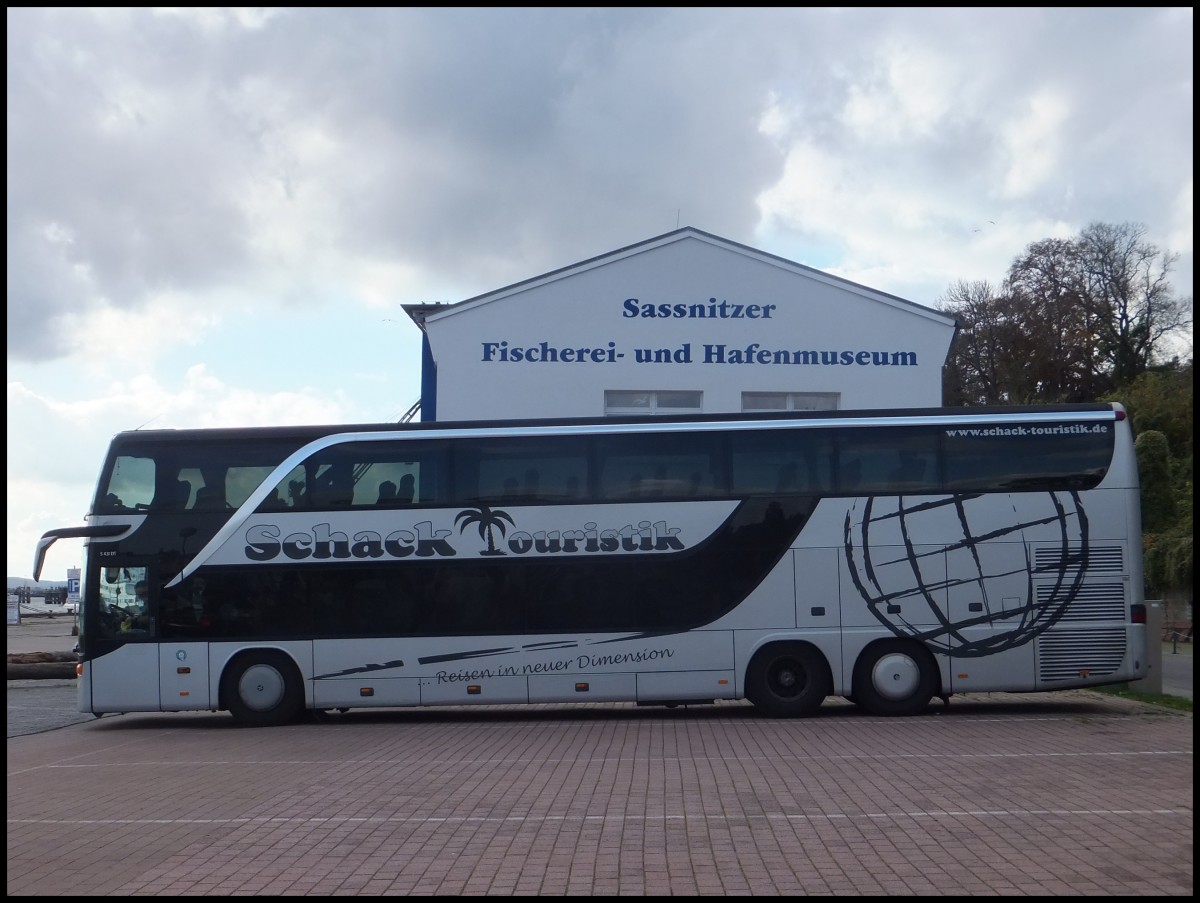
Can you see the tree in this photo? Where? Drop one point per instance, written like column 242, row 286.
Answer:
column 1161, row 399
column 1047, row 285
column 1154, row 475
column 1167, row 560
column 1128, row 298
column 1160, row 407
column 1074, row 319
column 997, row 356
column 973, row 370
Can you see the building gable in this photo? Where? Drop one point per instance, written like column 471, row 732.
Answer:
column 686, row 311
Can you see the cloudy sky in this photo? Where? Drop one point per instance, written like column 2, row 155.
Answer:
column 215, row 215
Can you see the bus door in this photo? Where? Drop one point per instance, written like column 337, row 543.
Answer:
column 122, row 666
column 183, row 667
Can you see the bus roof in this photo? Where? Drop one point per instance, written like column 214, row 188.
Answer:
column 316, row 431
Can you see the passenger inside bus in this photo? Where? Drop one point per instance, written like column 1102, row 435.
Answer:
column 407, row 489
column 211, row 496
column 137, row 613
column 128, row 616
column 388, row 495
column 296, row 493
column 273, row 502
column 174, row 496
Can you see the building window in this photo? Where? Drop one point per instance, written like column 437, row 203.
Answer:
column 625, row 401
column 790, row 401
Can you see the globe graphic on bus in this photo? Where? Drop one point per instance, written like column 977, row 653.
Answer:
column 974, row 594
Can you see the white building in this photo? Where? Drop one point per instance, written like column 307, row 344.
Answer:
column 685, row 322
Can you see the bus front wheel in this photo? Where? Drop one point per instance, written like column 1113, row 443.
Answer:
column 262, row 689
column 788, row 680
column 895, row 677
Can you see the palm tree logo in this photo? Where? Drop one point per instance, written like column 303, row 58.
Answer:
column 488, row 521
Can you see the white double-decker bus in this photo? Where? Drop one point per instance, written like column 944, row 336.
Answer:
column 889, row 557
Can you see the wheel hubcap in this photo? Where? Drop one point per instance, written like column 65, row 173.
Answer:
column 896, row 676
column 261, row 688
column 787, row 680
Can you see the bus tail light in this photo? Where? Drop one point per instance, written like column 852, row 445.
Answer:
column 79, row 669
column 1137, row 613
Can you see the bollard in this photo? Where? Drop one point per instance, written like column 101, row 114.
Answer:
column 1152, row 683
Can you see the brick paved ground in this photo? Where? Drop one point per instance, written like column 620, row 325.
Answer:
column 1070, row 794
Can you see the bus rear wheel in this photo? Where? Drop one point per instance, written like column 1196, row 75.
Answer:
column 895, row 677
column 262, row 689
column 788, row 680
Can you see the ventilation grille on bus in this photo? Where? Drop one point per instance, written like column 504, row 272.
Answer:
column 1092, row 602
column 1052, row 559
column 1071, row 654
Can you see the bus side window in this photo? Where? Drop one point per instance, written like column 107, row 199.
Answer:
column 666, row 466
column 910, row 472
column 333, row 486
column 131, row 484
column 850, row 475
column 787, row 481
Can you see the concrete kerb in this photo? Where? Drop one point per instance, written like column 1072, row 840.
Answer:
column 52, row 670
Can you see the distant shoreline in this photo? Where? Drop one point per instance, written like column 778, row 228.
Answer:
column 20, row 582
